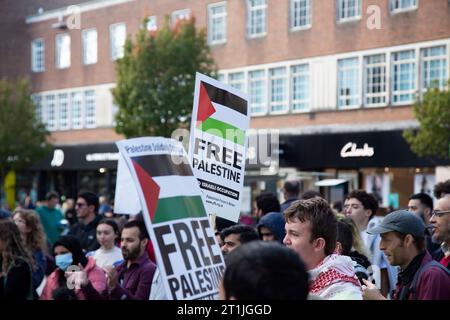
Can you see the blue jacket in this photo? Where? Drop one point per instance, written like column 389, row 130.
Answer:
column 275, row 222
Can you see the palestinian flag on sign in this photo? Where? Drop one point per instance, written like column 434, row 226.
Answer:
column 222, row 113
column 165, row 184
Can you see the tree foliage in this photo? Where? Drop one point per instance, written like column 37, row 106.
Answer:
column 23, row 138
column 433, row 113
column 156, row 78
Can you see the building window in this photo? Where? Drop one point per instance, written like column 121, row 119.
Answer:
column 348, row 10
column 89, row 104
column 300, row 87
column 221, row 77
column 257, row 92
column 217, row 23
column 434, row 67
column 348, row 84
column 62, row 51
column 37, row 55
column 300, row 16
column 256, row 18
column 63, row 102
column 404, row 77
column 375, row 80
column 40, row 114
column 118, row 36
column 237, row 80
column 51, row 112
column 89, row 46
column 77, row 115
column 278, row 90
column 180, row 15
column 151, row 23
column 403, row 5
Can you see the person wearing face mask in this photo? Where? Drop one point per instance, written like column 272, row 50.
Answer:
column 88, row 281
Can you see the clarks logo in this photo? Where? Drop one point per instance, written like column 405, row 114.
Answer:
column 351, row 150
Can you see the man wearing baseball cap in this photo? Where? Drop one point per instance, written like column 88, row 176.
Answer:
column 420, row 277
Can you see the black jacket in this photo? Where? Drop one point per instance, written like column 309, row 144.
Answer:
column 86, row 234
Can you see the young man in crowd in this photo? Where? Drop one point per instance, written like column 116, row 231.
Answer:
column 232, row 237
column 361, row 208
column 88, row 218
column 291, row 189
column 311, row 231
column 440, row 230
column 132, row 279
column 420, row 277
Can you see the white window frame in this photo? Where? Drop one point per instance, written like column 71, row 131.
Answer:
column 358, row 85
column 382, row 95
column 86, row 45
column 293, row 75
column 64, row 122
column 152, row 23
column 250, row 10
column 38, row 100
column 211, row 19
column 232, row 81
column 341, row 16
column 89, row 96
column 395, row 63
column 263, row 103
column 116, row 49
column 396, row 6
column 58, row 48
column 443, row 58
column 292, row 14
column 178, row 15
column 52, row 121
column 274, row 81
column 74, row 121
column 38, row 55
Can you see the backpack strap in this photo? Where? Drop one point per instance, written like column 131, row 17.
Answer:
column 432, row 263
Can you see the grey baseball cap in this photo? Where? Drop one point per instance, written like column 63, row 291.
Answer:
column 401, row 221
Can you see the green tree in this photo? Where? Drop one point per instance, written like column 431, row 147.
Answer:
column 23, row 138
column 156, row 78
column 433, row 113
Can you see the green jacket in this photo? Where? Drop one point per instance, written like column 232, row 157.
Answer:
column 51, row 219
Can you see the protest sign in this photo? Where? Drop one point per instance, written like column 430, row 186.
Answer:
column 187, row 253
column 218, row 141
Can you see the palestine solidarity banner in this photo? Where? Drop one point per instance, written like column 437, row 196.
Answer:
column 187, row 253
column 217, row 149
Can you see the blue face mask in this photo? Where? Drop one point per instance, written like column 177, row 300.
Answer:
column 63, row 261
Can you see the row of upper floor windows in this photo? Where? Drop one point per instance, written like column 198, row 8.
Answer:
column 299, row 18
column 393, row 77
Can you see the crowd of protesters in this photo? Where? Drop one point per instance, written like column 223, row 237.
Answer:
column 303, row 248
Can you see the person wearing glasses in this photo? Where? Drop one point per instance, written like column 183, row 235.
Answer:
column 420, row 277
column 440, row 230
column 86, row 229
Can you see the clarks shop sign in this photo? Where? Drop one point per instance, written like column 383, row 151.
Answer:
column 351, row 150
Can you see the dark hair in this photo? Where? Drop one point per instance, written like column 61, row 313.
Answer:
column 419, row 242
column 345, row 237
column 368, row 201
column 91, row 199
column 72, row 244
column 143, row 233
column 222, row 223
column 50, row 195
column 112, row 224
column 310, row 194
column 424, row 199
column 265, row 270
column 441, row 188
column 267, row 202
column 323, row 221
column 246, row 233
column 292, row 187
